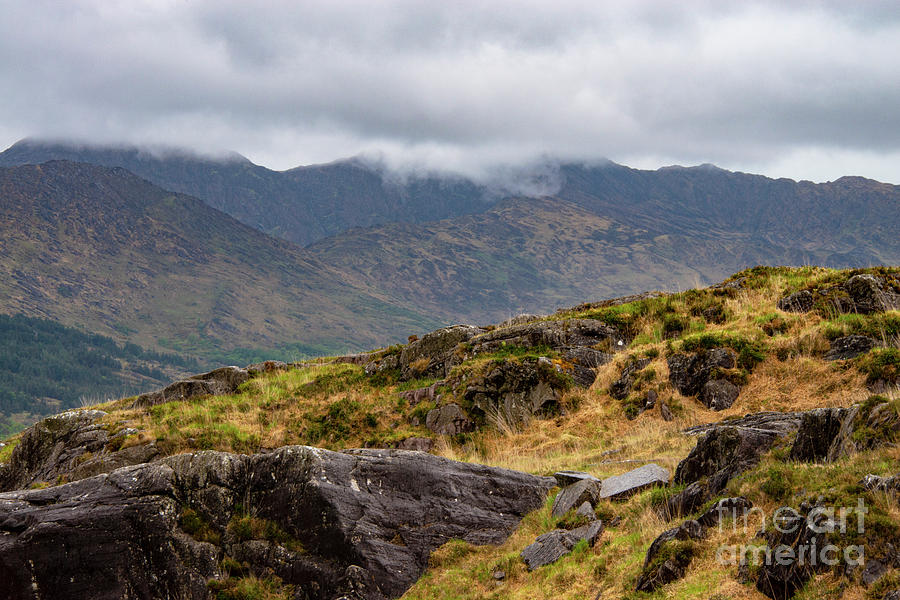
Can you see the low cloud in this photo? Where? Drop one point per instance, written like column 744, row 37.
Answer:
column 806, row 90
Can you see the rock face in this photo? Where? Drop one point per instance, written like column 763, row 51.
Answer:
column 863, row 294
column 628, row 484
column 434, row 355
column 69, row 446
column 827, row 434
column 220, row 381
column 695, row 375
column 818, row 430
column 448, row 419
column 730, row 448
column 514, row 390
column 367, row 521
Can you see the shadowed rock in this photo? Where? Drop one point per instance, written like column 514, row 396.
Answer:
column 367, row 520
column 660, row 570
column 448, row 419
column 583, row 490
column 850, row 346
column 550, row 547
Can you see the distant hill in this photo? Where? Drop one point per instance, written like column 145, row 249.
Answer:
column 105, row 250
column 301, row 205
column 46, row 367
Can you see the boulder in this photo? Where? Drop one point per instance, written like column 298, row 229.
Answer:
column 555, row 334
column 850, row 346
column 571, row 496
column 660, row 569
column 665, row 412
column 418, row 444
column 688, row 500
column 798, row 302
column 780, row 579
column 268, row 366
column 367, row 521
column 726, row 508
column 69, row 446
column 877, row 483
column 719, row 394
column 622, row 487
column 689, row 372
column 448, row 419
column 550, row 547
column 429, row 394
column 225, row 380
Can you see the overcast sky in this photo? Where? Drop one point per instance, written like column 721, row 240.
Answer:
column 807, row 90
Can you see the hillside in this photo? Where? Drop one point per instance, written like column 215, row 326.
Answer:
column 301, row 205
column 46, row 367
column 663, row 418
column 105, row 250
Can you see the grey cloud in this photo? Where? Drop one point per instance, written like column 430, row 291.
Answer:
column 459, row 85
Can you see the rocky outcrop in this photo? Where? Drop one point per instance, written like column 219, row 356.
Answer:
column 367, row 522
column 69, row 446
column 425, row 394
column 565, row 478
column 513, row 390
column 220, row 381
column 729, row 448
column 550, row 547
column 864, row 294
column 699, row 375
column 622, row 487
column 827, row 434
column 877, row 483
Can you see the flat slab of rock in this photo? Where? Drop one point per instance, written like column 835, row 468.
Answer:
column 225, row 380
column 626, row 485
column 550, row 547
column 448, row 419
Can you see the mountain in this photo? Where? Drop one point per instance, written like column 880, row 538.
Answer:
column 103, row 249
column 301, row 205
column 610, row 229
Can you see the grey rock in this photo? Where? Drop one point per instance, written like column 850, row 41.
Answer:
column 818, row 430
column 220, row 381
column 522, row 319
column 719, row 394
column 689, row 372
column 550, row 547
column 656, row 575
column 513, row 391
column 665, row 412
column 448, row 419
column 418, row 444
column 650, row 400
column 367, row 519
column 437, row 350
column 730, row 448
column 429, row 394
column 268, row 366
column 586, row 511
column 626, row 485
column 621, row 387
column 850, row 346
column 873, row 571
column 798, row 302
column 564, row 478
column 584, row 490
column 877, row 483
column 726, row 508
column 69, row 446
column 688, row 500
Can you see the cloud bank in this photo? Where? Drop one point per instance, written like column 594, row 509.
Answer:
column 804, row 90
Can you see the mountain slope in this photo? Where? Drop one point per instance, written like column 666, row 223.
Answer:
column 300, row 205
column 106, row 250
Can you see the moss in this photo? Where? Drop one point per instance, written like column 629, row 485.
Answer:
column 251, row 588
column 196, row 526
column 244, row 527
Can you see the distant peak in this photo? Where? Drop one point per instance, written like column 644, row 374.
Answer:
column 159, row 151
